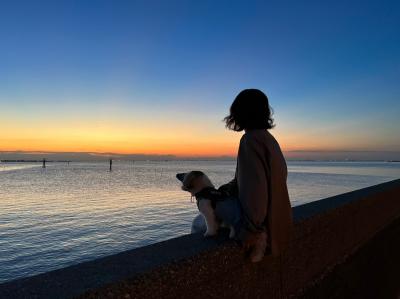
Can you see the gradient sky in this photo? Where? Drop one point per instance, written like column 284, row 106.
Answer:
column 157, row 77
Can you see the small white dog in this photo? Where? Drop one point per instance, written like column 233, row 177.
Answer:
column 210, row 201
column 217, row 208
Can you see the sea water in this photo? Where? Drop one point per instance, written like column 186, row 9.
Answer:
column 64, row 214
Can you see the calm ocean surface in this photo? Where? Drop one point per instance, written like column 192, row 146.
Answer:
column 62, row 215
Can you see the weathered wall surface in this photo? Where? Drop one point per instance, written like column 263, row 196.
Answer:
column 324, row 234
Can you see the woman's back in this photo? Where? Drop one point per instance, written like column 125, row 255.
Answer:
column 261, row 178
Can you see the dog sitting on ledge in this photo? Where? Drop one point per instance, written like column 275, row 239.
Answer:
column 216, row 206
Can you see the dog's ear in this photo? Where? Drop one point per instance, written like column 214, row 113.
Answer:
column 181, row 176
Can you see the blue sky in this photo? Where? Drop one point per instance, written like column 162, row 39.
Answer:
column 331, row 70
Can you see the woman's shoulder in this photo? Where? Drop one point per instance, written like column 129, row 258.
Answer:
column 254, row 135
column 254, row 139
column 259, row 136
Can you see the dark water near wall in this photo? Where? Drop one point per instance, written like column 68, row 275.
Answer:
column 63, row 215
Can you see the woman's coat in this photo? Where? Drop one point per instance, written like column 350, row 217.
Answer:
column 261, row 175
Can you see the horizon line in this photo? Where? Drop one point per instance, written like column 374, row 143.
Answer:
column 312, row 155
column 174, row 155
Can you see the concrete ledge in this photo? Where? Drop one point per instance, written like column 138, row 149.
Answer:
column 324, row 234
column 372, row 272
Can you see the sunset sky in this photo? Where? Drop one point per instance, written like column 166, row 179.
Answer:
column 157, row 77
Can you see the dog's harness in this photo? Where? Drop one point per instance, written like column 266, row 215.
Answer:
column 212, row 194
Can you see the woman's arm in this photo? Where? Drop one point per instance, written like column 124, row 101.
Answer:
column 230, row 188
column 252, row 184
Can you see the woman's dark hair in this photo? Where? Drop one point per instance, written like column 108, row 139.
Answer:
column 250, row 110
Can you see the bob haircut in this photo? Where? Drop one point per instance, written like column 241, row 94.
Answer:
column 250, row 110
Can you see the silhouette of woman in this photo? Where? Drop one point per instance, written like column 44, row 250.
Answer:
column 260, row 178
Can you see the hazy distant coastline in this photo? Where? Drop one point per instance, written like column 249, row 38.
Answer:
column 23, row 156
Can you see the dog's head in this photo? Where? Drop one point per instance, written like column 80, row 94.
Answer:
column 194, row 181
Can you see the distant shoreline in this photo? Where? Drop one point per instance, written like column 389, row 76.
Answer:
column 174, row 160
column 342, row 156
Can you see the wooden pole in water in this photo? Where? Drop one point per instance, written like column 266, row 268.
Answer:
column 44, row 163
column 110, row 164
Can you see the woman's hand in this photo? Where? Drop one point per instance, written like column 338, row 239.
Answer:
column 255, row 243
column 248, row 239
column 230, row 188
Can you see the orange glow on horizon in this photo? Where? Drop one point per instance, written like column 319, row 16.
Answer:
column 175, row 140
column 160, row 149
column 193, row 140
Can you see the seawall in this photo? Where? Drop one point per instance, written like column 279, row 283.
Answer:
column 326, row 234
